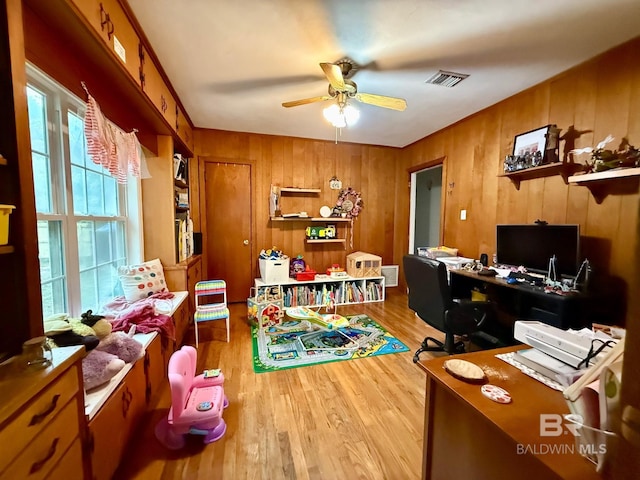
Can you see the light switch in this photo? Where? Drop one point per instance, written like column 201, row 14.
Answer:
column 463, row 214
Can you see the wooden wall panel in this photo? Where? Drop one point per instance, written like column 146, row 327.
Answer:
column 298, row 162
column 597, row 98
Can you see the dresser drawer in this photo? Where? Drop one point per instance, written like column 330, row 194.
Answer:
column 45, row 449
column 26, row 427
column 70, row 466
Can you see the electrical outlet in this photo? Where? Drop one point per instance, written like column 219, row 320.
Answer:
column 463, row 214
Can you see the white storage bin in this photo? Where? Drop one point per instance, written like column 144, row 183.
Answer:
column 274, row 271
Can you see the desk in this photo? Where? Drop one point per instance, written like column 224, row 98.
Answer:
column 522, row 300
column 466, row 435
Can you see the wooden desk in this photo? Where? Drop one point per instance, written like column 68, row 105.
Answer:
column 469, row 436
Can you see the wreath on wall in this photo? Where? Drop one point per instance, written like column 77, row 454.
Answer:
column 349, row 204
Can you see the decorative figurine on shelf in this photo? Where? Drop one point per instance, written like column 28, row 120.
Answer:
column 625, row 156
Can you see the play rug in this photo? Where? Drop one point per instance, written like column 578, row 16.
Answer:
column 298, row 343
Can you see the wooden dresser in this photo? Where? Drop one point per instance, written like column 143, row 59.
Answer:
column 41, row 419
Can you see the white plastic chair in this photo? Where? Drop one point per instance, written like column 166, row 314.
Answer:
column 216, row 310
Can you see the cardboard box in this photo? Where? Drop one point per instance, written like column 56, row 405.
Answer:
column 274, row 271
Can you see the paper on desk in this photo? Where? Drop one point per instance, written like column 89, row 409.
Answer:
column 502, row 272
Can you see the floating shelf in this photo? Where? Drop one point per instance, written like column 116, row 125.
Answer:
column 299, row 190
column 606, row 175
column 309, row 219
column 6, row 249
column 326, row 240
column 561, row 168
column 599, row 183
column 182, row 209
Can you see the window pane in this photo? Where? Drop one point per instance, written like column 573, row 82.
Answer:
column 104, row 234
column 42, row 183
column 120, row 244
column 50, row 247
column 54, row 298
column 36, row 103
column 95, row 195
column 111, row 196
column 76, row 139
column 52, row 271
column 86, row 246
column 79, row 191
column 88, row 291
column 107, row 283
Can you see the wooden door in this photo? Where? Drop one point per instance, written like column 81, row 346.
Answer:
column 228, row 222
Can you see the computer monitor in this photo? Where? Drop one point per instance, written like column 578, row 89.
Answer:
column 533, row 245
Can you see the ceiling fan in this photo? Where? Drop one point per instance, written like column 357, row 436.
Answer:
column 341, row 88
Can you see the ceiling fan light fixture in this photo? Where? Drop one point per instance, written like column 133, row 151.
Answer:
column 341, row 116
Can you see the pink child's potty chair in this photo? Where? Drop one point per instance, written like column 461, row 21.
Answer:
column 196, row 402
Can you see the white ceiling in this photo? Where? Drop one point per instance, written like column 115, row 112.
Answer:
column 234, row 62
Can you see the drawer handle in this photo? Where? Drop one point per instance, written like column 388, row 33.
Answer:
column 37, row 466
column 104, row 17
column 39, row 417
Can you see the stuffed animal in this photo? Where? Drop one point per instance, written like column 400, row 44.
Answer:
column 63, row 331
column 123, row 346
column 99, row 367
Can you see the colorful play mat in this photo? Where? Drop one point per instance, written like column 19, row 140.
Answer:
column 297, row 343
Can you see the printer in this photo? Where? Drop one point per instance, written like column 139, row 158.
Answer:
column 568, row 347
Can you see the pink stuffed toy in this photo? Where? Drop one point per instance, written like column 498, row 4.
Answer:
column 123, row 346
column 99, row 367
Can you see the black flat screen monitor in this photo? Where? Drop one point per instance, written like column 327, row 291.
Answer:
column 531, row 246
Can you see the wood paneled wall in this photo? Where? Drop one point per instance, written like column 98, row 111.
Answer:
column 599, row 97
column 287, row 162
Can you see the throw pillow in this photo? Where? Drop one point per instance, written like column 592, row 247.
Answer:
column 141, row 281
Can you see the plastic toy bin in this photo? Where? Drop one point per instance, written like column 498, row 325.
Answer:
column 274, row 271
column 5, row 211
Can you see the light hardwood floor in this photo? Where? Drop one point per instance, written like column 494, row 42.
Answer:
column 357, row 419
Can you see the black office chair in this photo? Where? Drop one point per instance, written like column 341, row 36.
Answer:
column 430, row 297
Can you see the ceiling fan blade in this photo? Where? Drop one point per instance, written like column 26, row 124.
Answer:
column 304, row 101
column 382, row 101
column 334, row 75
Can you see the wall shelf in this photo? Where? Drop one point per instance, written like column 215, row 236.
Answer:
column 180, row 183
column 326, row 240
column 309, row 219
column 6, row 249
column 561, row 168
column 600, row 183
column 299, row 190
column 3, row 161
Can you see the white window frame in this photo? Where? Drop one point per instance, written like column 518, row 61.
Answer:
column 130, row 197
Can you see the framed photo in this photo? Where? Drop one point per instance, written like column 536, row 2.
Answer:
column 530, row 143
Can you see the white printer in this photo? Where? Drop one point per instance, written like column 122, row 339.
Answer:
column 568, row 347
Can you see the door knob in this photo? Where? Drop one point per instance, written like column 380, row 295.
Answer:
column 246, row 242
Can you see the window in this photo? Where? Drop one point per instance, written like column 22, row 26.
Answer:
column 81, row 210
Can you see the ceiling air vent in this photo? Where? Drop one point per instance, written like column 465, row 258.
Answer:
column 446, row 79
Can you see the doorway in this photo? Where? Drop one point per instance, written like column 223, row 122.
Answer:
column 425, row 209
column 228, row 216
